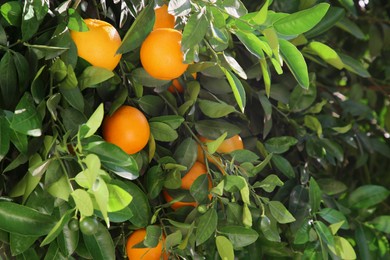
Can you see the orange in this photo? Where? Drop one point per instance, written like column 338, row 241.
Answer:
column 98, row 46
column 146, row 253
column 127, row 128
column 187, row 180
column 163, row 18
column 227, row 146
column 176, row 85
column 161, row 54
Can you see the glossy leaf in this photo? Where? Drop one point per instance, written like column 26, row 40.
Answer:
column 118, row 198
column 280, row 144
column 367, row 196
column 239, row 236
column 100, row 244
column 315, row 195
column 225, row 248
column 23, row 220
column 139, row 30
column 92, row 76
column 301, row 21
column 333, row 15
column 57, row 228
column 198, row 23
column 295, row 61
column 8, row 81
column 283, row 165
column 162, row 132
column 333, row 216
column 280, row 213
column 207, row 223
column 237, row 88
column 215, row 109
column 269, row 183
column 185, row 153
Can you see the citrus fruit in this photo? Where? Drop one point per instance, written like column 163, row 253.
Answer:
column 176, row 85
column 161, row 54
column 89, row 225
column 147, row 253
column 187, row 180
column 127, row 128
column 163, row 18
column 99, row 44
column 227, row 146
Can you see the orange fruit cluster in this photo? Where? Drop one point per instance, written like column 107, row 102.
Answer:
column 160, row 53
column 99, row 44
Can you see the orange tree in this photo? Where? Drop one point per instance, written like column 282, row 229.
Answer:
column 303, row 84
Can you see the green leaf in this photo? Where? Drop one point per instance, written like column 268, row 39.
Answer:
column 382, row 223
column 349, row 5
column 258, row 168
column 8, row 81
column 185, row 153
column 12, row 12
column 173, row 239
column 237, row 88
column 139, row 30
column 295, row 61
column 118, row 198
column 333, row 216
column 326, row 53
column 207, row 224
column 367, row 196
column 198, row 23
column 225, row 248
column 283, row 165
column 239, row 236
column 325, row 235
column 23, row 220
column 179, row 7
column 20, row 243
column 152, row 105
column 94, row 121
column 26, row 119
column 200, row 188
column 315, row 195
column 142, row 77
column 234, row 65
column 261, row 15
column 162, row 132
column 251, row 42
column 280, row 144
column 301, row 21
column 54, row 252
column 269, row 229
column 215, row 109
column 92, row 76
column 83, row 202
column 344, row 249
column 153, row 235
column 314, row 124
column 333, row 15
column 212, row 129
column 4, row 137
column 354, row 66
column 234, row 8
column 74, row 97
column 56, row 230
column 269, row 183
column 139, row 206
column 76, row 22
column 100, row 244
column 280, row 213
column 174, row 121
column 351, row 27
column 331, row 186
column 301, row 99
column 234, row 183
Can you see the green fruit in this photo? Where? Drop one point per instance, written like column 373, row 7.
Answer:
column 73, row 224
column 89, row 225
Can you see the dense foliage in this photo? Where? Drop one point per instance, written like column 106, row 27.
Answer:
column 305, row 83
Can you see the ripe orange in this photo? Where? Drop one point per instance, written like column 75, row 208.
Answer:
column 163, row 18
column 161, row 54
column 98, row 46
column 146, row 253
column 127, row 128
column 227, row 146
column 176, row 85
column 187, row 180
